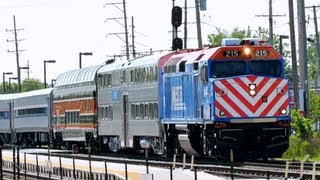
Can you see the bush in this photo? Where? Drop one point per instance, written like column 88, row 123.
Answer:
column 297, row 149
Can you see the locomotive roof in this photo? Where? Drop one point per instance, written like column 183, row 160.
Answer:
column 138, row 62
column 77, row 76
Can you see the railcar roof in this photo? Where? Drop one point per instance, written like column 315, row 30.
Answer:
column 138, row 62
column 4, row 97
column 38, row 92
column 77, row 76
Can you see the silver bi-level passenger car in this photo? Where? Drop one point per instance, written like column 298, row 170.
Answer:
column 128, row 104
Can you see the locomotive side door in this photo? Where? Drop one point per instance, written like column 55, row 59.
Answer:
column 125, row 126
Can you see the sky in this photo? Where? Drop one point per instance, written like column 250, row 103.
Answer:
column 61, row 29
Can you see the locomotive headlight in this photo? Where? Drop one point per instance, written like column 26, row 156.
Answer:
column 252, row 89
column 247, row 50
column 283, row 112
column 252, row 92
column 252, row 86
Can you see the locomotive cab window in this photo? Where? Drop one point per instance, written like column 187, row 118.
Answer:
column 204, row 74
column 182, row 67
column 228, row 69
column 268, row 67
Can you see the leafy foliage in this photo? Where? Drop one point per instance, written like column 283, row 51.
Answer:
column 302, row 126
column 26, row 85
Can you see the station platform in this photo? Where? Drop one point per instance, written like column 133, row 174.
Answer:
column 134, row 172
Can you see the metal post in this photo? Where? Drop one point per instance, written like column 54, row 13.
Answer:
column 133, row 47
column 195, row 173
column 231, row 159
column 270, row 24
column 147, row 163
column 80, row 57
column 126, row 28
column 106, row 170
column 45, row 71
column 293, row 55
column 90, row 162
column 14, row 161
column 17, row 53
column 185, row 24
column 303, row 61
column 171, row 173
column 74, row 168
column 18, row 161
column 286, row 170
column 198, row 24
column 3, row 85
column 80, row 61
column 60, row 164
column 37, row 166
column 1, row 173
column 126, row 170
column 25, row 165
column 49, row 137
column 44, row 74
column 280, row 46
column 301, row 169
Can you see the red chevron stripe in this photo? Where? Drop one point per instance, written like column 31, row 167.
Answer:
column 272, row 103
column 220, row 107
column 252, row 108
column 252, row 78
column 231, row 103
column 235, row 91
column 284, row 105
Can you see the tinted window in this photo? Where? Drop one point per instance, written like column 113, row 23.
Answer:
column 227, row 69
column 269, row 67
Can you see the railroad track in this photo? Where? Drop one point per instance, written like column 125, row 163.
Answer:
column 272, row 169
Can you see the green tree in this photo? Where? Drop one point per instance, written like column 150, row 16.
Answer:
column 26, row 85
column 312, row 56
column 314, row 101
column 31, row 84
column 302, row 126
column 215, row 39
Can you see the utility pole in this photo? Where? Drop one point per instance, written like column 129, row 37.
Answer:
column 270, row 22
column 198, row 24
column 185, row 24
column 17, row 51
column 303, row 61
column 133, row 47
column 293, row 56
column 174, row 35
column 125, row 25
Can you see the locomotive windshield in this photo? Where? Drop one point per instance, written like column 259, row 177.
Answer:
column 237, row 68
column 229, row 68
column 268, row 68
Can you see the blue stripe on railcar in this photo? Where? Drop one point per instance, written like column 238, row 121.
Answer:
column 4, row 115
column 116, row 95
